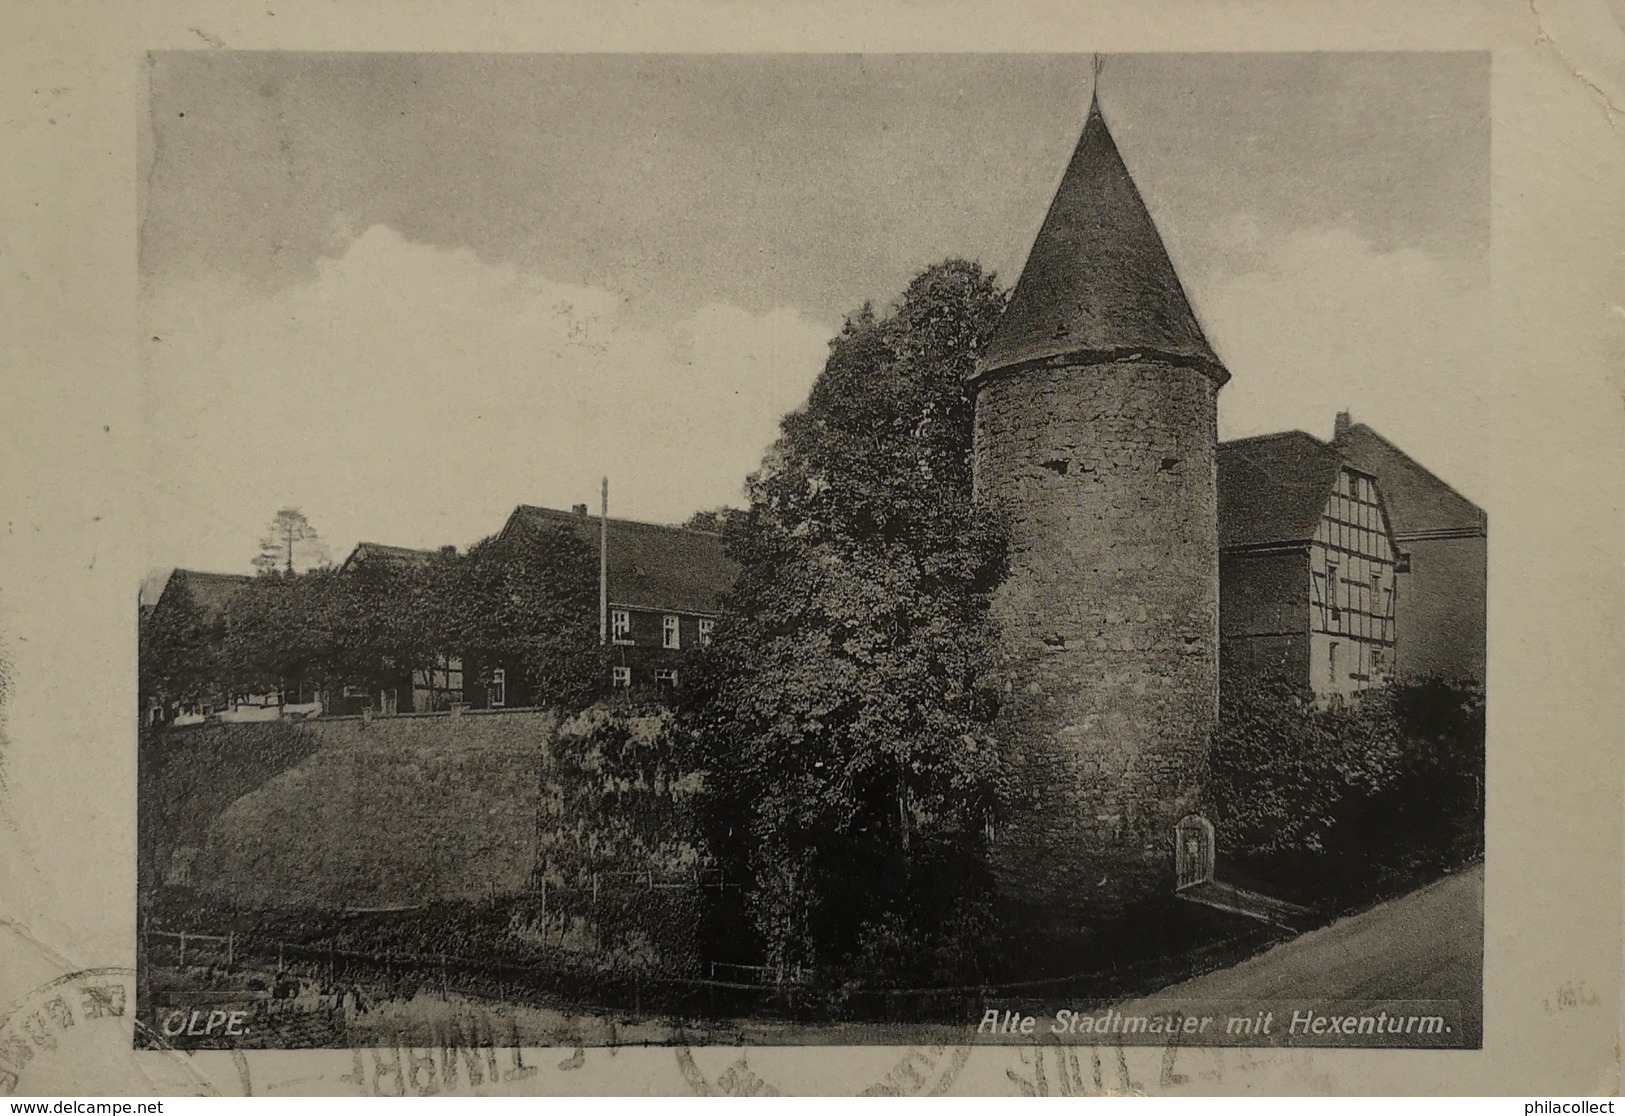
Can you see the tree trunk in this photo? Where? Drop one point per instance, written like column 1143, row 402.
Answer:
column 902, row 811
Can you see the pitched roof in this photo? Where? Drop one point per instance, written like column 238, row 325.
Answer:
column 1418, row 502
column 209, row 591
column 651, row 565
column 1098, row 280
column 1273, row 488
column 382, row 552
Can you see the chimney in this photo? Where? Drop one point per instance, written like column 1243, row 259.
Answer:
column 603, row 565
column 1341, row 427
column 579, row 509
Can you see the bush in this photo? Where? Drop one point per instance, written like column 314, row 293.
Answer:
column 1341, row 804
column 619, row 798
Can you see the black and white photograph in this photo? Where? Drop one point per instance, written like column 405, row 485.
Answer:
column 681, row 549
column 812, row 549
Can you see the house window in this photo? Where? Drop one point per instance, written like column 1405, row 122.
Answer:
column 621, row 677
column 671, row 634
column 666, row 679
column 1332, row 591
column 1331, row 664
column 496, row 693
column 620, row 626
column 706, row 627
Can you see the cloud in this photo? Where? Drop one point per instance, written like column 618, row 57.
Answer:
column 1319, row 321
column 414, row 394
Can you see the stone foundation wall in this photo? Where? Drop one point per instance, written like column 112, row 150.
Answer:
column 1111, row 614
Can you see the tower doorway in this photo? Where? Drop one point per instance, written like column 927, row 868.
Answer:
column 1193, row 851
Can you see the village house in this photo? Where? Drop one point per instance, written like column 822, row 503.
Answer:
column 1443, row 538
column 1307, row 567
column 661, row 594
column 1345, row 564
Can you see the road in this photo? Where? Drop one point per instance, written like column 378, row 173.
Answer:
column 1426, row 945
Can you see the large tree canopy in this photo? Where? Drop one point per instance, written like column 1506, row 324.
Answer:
column 530, row 600
column 529, row 603
column 178, row 650
column 844, row 707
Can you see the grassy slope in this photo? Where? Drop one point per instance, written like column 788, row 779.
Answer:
column 399, row 814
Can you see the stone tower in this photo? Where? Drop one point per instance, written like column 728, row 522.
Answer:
column 1096, row 428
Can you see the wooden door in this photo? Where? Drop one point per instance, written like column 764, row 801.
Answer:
column 1193, row 851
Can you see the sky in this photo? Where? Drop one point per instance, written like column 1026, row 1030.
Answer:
column 405, row 293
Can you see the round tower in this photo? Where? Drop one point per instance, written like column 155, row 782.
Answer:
column 1096, row 429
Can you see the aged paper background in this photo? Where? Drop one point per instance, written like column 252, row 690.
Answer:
column 71, row 491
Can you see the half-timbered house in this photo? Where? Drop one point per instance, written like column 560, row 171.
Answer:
column 1307, row 567
column 1443, row 538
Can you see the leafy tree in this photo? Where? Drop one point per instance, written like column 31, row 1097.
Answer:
column 390, row 620
column 290, row 543
column 279, row 633
column 1282, row 765
column 178, row 651
column 718, row 520
column 529, row 601
column 371, row 626
column 844, row 706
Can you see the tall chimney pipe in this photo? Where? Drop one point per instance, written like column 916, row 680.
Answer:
column 603, row 565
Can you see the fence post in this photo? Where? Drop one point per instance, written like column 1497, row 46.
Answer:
column 182, row 962
column 280, row 964
column 231, row 947
column 594, row 889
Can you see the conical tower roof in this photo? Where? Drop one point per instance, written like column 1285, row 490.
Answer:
column 1098, row 283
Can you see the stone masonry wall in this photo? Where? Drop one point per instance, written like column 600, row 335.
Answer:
column 1110, row 614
